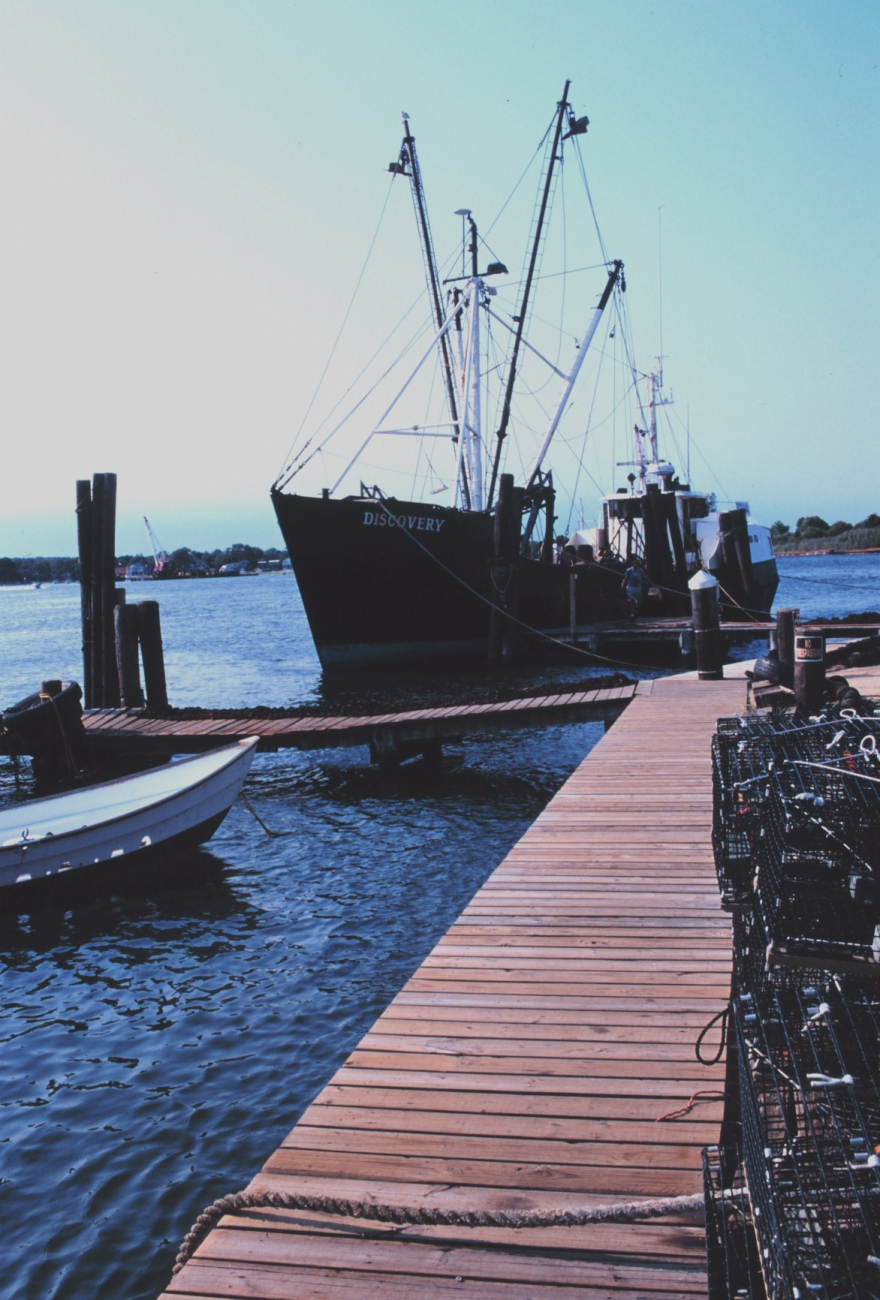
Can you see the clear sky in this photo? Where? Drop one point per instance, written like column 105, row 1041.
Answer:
column 189, row 187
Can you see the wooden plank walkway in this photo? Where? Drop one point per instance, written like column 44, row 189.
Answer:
column 528, row 1060
column 132, row 730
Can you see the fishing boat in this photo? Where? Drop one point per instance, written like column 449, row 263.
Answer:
column 677, row 531
column 167, row 808
column 478, row 451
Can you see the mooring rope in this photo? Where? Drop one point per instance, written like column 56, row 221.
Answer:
column 423, row 1215
column 511, row 618
column 257, row 818
column 75, row 770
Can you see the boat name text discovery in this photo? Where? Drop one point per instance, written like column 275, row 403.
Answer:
column 412, row 522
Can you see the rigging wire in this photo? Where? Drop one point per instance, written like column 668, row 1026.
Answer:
column 581, row 461
column 580, row 458
column 528, row 167
column 583, row 172
column 340, row 331
column 511, row 618
column 291, row 470
column 722, row 489
column 358, row 404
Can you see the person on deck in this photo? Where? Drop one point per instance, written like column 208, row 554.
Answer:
column 633, row 585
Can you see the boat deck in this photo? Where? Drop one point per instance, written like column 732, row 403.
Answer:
column 533, row 1060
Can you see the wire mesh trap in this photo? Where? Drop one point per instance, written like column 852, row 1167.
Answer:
column 810, row 1107
column 732, row 1254
column 796, row 817
column 745, row 753
column 817, row 864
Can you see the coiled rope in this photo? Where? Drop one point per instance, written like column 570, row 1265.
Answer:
column 621, row 1212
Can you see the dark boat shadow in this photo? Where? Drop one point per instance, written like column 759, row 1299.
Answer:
column 189, row 885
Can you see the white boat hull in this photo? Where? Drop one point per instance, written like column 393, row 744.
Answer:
column 181, row 803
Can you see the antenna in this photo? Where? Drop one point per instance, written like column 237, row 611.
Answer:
column 660, row 281
column 464, row 213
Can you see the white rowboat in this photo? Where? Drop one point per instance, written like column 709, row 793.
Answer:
column 167, row 807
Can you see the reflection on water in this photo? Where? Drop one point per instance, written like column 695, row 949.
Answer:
column 160, row 1034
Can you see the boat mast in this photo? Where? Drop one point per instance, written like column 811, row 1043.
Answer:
column 613, row 277
column 408, row 165
column 524, row 304
column 470, row 460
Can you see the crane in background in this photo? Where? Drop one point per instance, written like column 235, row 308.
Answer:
column 162, row 566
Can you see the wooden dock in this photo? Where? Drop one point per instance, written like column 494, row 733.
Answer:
column 133, row 730
column 531, row 1059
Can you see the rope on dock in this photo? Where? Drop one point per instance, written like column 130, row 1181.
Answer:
column 422, row 1215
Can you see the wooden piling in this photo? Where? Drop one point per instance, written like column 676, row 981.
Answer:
column 548, row 550
column 149, row 632
column 736, row 556
column 96, row 684
column 572, row 607
column 84, row 546
column 707, row 630
column 809, row 672
column 786, row 628
column 500, row 570
column 131, row 695
column 109, row 673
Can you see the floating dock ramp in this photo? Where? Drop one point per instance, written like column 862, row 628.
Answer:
column 136, row 730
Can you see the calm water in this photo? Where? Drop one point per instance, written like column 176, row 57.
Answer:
column 158, row 1044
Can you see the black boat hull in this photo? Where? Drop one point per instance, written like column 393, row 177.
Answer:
column 386, row 580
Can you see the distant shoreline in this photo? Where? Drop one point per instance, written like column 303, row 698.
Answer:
column 826, row 550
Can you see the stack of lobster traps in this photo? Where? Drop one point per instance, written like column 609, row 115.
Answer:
column 793, row 1198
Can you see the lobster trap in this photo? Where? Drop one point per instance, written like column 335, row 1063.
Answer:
column 817, row 864
column 745, row 753
column 810, row 1106
column 732, row 1254
column 796, row 820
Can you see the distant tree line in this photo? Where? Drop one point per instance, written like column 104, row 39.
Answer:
column 811, row 532
column 66, row 568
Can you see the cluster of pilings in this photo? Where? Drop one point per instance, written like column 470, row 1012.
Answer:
column 112, row 631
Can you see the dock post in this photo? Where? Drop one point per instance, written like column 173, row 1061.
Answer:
column 150, row 636
column 572, row 607
column 786, row 627
column 84, row 545
column 707, row 626
column 98, row 545
column 500, row 567
column 736, row 556
column 109, row 675
column 511, row 626
column 125, row 617
column 96, row 686
column 809, row 672
column 548, row 548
